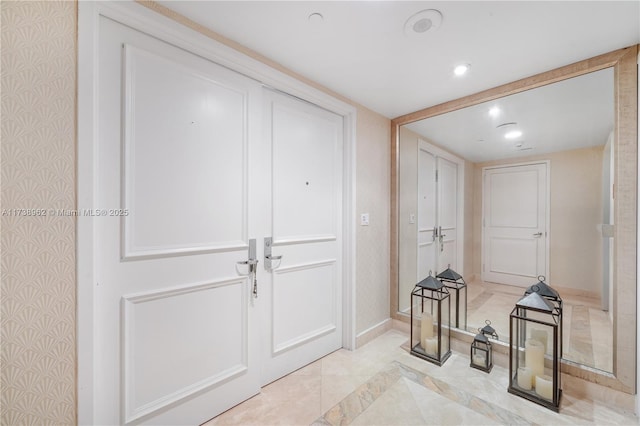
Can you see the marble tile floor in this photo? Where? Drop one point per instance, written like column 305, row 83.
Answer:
column 382, row 384
column 588, row 332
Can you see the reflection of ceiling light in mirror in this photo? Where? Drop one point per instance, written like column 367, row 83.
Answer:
column 316, row 18
column 422, row 22
column 461, row 69
column 494, row 111
column 513, row 134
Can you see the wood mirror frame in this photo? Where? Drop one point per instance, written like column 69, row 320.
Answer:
column 624, row 63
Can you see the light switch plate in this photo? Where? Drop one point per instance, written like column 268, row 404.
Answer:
column 364, row 219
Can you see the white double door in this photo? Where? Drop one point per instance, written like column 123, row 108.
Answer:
column 437, row 212
column 193, row 162
column 515, row 224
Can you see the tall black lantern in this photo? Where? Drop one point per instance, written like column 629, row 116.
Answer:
column 458, row 288
column 481, row 355
column 548, row 293
column 534, row 351
column 430, row 319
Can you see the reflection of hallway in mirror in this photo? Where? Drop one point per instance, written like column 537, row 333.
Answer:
column 587, row 334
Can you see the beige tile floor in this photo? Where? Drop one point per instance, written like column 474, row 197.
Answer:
column 382, row 384
column 588, row 332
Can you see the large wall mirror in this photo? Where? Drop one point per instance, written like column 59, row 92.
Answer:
column 534, row 178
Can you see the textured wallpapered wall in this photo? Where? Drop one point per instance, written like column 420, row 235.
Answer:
column 38, row 172
column 373, row 177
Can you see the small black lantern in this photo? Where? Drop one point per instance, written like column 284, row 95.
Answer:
column 534, row 366
column 481, row 354
column 454, row 281
column 481, row 351
column 430, row 319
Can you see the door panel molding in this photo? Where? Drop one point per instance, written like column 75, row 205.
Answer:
column 134, row 409
column 144, row 233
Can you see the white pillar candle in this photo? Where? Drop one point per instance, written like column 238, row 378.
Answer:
column 479, row 359
column 524, row 378
column 426, row 328
column 431, row 346
column 544, row 387
column 534, row 357
column 541, row 336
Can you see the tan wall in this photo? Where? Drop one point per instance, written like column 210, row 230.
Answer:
column 38, row 253
column 38, row 171
column 575, row 244
column 373, row 177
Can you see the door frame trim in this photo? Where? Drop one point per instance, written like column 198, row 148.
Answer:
column 168, row 29
column 547, row 164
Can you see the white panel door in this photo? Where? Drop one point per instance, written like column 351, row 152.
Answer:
column 303, row 290
column 437, row 212
column 515, row 224
column 178, row 156
column 428, row 244
column 447, row 184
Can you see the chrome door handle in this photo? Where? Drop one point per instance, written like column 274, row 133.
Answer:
column 268, row 257
column 252, row 262
column 537, row 234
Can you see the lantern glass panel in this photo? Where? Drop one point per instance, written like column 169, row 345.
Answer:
column 445, row 317
column 481, row 357
column 535, row 362
column 458, row 296
column 430, row 324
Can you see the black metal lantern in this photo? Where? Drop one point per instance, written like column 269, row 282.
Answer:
column 454, row 281
column 481, row 354
column 548, row 293
column 481, row 351
column 534, row 364
column 430, row 319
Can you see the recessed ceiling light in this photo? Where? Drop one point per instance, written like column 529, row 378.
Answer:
column 422, row 22
column 461, row 69
column 513, row 134
column 316, row 18
column 494, row 111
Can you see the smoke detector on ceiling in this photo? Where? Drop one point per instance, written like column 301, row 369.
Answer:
column 427, row 20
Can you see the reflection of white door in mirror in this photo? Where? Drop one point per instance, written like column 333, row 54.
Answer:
column 447, row 187
column 515, row 224
column 432, row 213
column 437, row 196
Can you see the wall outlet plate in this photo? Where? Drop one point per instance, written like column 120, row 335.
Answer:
column 364, row 219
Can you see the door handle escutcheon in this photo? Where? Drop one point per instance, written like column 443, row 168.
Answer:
column 268, row 257
column 252, row 262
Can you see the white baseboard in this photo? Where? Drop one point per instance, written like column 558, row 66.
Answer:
column 371, row 333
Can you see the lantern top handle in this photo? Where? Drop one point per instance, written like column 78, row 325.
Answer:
column 544, row 290
column 489, row 331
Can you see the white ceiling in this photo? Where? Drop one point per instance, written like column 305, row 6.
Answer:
column 361, row 51
column 571, row 114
